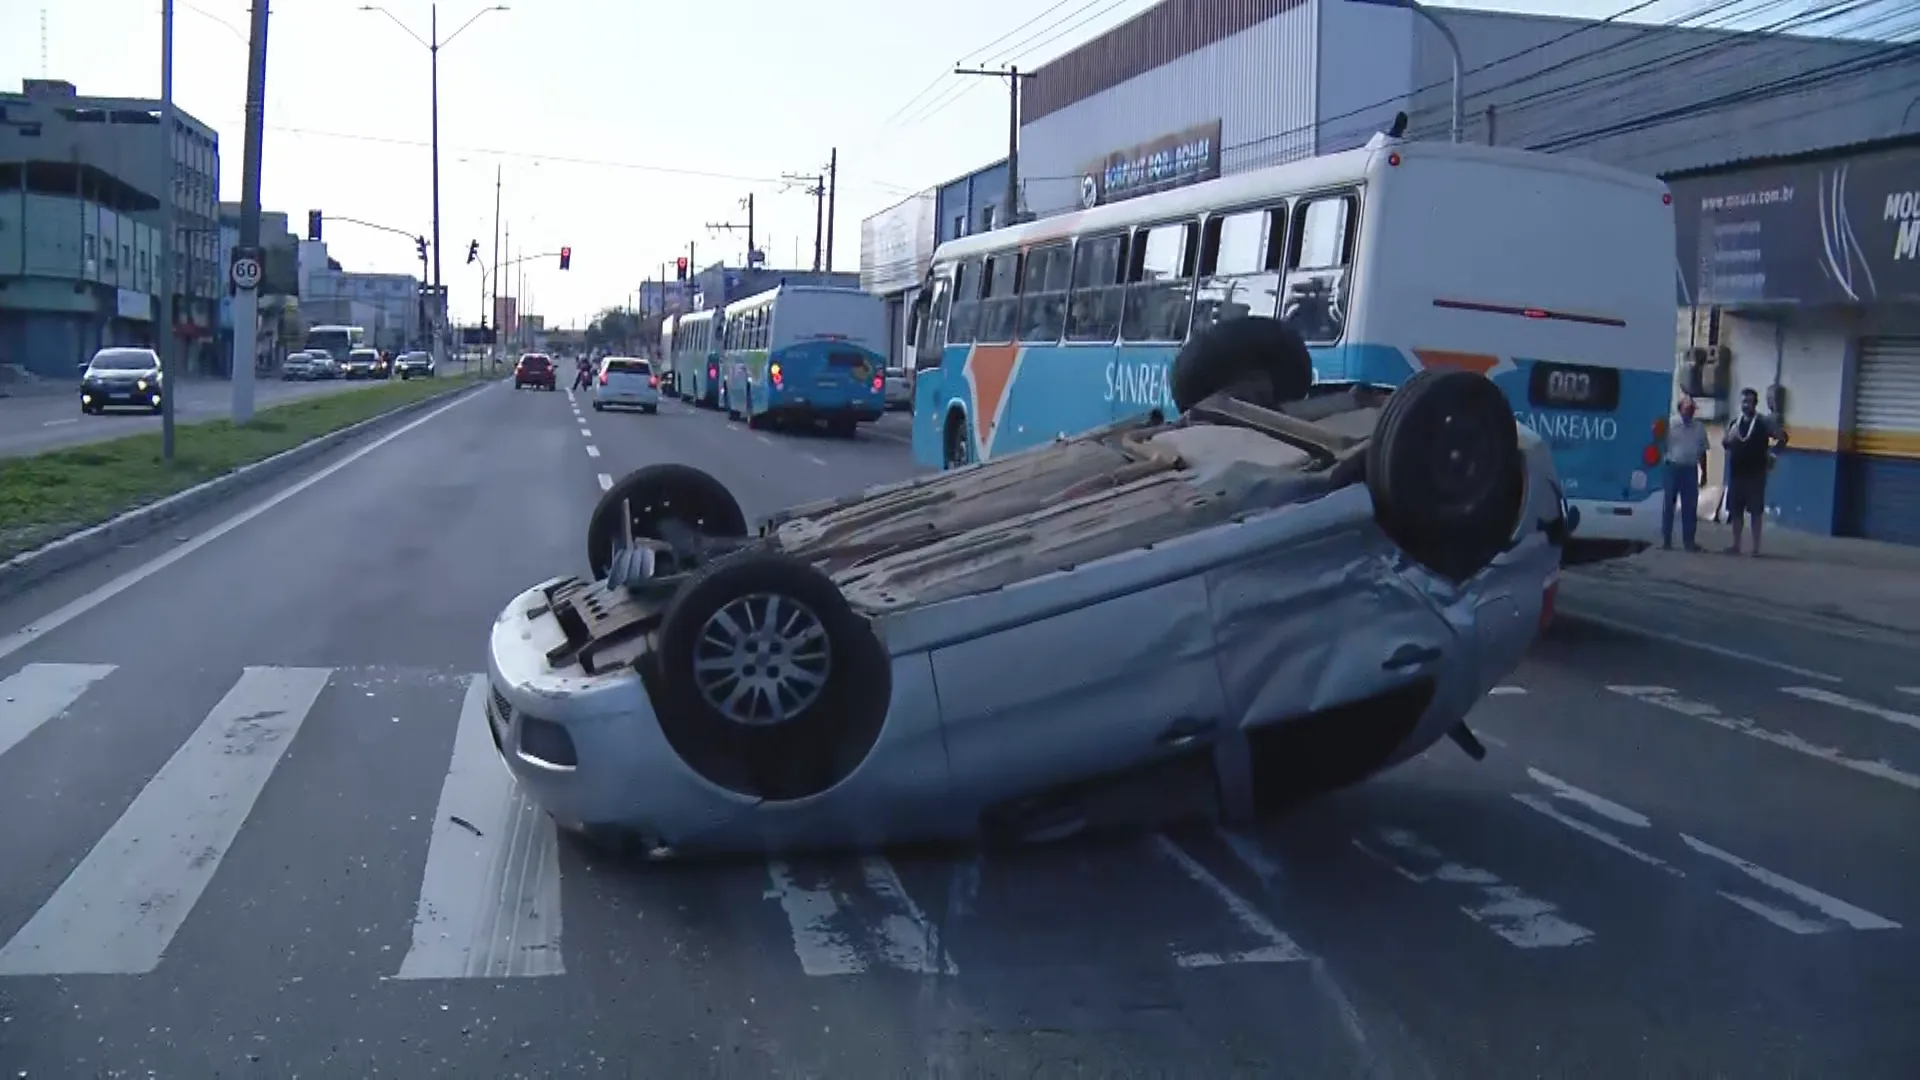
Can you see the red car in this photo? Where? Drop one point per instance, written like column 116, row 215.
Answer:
column 534, row 369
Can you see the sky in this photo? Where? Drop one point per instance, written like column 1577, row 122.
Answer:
column 619, row 129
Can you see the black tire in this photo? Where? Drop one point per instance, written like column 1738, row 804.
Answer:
column 650, row 410
column 823, row 738
column 1446, row 471
column 956, row 450
column 658, row 493
column 599, row 407
column 1261, row 360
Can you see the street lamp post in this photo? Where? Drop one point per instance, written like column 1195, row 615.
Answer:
column 1453, row 43
column 433, row 43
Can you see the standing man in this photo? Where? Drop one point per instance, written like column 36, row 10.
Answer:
column 1750, row 442
column 1686, row 473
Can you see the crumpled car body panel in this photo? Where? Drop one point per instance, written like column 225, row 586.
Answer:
column 1078, row 636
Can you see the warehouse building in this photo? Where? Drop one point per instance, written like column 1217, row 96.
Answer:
column 1193, row 89
column 896, row 248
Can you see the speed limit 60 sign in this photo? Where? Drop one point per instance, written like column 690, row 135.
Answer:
column 246, row 270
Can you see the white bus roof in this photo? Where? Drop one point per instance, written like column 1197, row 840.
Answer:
column 1332, row 170
column 761, row 299
column 703, row 315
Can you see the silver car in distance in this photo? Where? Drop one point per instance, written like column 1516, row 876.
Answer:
column 1285, row 589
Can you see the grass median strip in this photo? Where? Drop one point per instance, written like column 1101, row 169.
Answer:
column 46, row 496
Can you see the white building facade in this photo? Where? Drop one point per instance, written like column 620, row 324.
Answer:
column 896, row 248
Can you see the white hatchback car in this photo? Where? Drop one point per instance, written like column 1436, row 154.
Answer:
column 627, row 382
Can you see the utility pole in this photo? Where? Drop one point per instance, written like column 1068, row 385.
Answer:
column 163, row 338
column 728, row 226
column 246, row 302
column 493, row 351
column 1013, row 76
column 816, row 186
column 833, row 184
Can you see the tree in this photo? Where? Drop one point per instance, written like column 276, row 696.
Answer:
column 617, row 330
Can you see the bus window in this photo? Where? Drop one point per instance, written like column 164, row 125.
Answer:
column 1315, row 301
column 1044, row 277
column 966, row 303
column 1240, row 258
column 933, row 327
column 1000, row 304
column 1093, row 311
column 1159, row 301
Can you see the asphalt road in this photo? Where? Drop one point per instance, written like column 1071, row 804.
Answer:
column 223, row 774
column 31, row 425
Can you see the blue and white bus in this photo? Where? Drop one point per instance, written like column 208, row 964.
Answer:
column 1550, row 275
column 336, row 341
column 806, row 353
column 696, row 358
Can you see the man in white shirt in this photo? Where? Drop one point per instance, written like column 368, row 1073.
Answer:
column 1685, row 469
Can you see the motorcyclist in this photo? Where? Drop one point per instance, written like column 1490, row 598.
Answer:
column 583, row 374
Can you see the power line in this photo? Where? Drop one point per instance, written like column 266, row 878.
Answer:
column 940, row 78
column 1035, row 42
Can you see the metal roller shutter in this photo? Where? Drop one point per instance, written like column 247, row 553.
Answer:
column 1884, row 501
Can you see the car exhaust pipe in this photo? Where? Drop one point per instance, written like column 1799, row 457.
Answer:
column 1463, row 737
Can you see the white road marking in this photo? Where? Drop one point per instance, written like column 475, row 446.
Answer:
column 1700, row 646
column 1507, row 691
column 584, row 433
column 764, row 439
column 1841, row 701
column 119, row 909
column 1524, row 921
column 593, row 451
column 817, row 460
column 1838, row 910
column 823, row 930
column 1914, row 690
column 39, row 692
column 1279, row 948
column 46, row 624
column 57, row 423
column 606, row 482
column 489, row 905
column 1670, row 700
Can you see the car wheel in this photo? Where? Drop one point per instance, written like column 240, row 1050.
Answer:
column 768, row 682
column 650, row 409
column 1446, row 471
column 599, row 407
column 1260, row 360
column 652, row 497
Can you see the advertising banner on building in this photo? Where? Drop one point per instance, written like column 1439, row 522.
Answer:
column 1829, row 232
column 896, row 245
column 1170, row 161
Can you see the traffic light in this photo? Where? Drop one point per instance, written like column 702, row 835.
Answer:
column 473, row 251
column 566, row 257
column 420, row 242
column 313, row 225
column 680, row 267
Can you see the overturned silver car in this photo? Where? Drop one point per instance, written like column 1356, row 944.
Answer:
column 1284, row 589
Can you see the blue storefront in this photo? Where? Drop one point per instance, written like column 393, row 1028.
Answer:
column 974, row 203
column 1802, row 279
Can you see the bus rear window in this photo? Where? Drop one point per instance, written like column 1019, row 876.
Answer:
column 838, row 358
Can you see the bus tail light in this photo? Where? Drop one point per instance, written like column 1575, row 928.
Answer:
column 713, row 371
column 1652, row 454
column 879, row 382
column 773, row 372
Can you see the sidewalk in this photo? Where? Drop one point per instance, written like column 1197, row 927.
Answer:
column 1818, row 579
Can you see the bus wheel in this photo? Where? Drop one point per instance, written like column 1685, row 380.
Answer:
column 1446, row 471
column 956, row 453
column 1256, row 359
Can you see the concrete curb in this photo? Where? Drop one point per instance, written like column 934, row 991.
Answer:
column 32, row 567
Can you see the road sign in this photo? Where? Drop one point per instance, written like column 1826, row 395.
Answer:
column 246, row 270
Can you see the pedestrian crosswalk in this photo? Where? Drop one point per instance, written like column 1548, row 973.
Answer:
column 375, row 796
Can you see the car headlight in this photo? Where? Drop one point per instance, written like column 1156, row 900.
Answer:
column 141, row 385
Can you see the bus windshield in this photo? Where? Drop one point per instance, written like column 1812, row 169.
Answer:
column 336, row 341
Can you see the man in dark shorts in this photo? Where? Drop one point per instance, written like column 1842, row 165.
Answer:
column 1750, row 442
